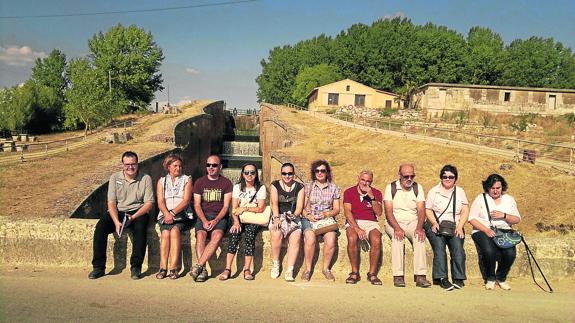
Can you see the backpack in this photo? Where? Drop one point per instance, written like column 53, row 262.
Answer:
column 415, row 189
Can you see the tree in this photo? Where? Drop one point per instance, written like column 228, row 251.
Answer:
column 486, row 51
column 50, row 71
column 88, row 99
column 312, row 77
column 131, row 58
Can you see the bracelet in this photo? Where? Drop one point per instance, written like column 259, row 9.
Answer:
column 172, row 212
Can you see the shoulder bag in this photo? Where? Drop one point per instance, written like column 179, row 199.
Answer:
column 504, row 238
column 259, row 218
column 324, row 225
column 447, row 227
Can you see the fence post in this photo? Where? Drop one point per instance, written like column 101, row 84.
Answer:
column 22, row 155
column 66, row 145
column 571, row 158
column 46, row 149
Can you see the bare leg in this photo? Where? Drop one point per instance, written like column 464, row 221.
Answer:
column 329, row 241
column 164, row 249
column 352, row 251
column 374, row 251
column 309, row 248
column 229, row 260
column 248, row 262
column 293, row 247
column 276, row 244
column 201, row 237
column 211, row 247
column 175, row 249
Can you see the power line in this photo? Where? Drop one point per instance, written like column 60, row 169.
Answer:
column 216, row 4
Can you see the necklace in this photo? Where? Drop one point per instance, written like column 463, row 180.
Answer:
column 284, row 187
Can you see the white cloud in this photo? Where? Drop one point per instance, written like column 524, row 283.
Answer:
column 192, row 71
column 399, row 14
column 19, row 56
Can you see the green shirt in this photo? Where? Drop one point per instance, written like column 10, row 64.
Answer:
column 130, row 195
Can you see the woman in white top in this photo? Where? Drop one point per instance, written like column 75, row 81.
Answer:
column 174, row 195
column 248, row 195
column 504, row 213
column 441, row 202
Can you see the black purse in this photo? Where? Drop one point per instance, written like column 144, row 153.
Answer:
column 504, row 238
column 447, row 227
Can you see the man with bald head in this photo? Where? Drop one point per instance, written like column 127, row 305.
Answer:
column 404, row 205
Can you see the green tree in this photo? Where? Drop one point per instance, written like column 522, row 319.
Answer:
column 51, row 71
column 485, row 55
column 132, row 59
column 88, row 99
column 312, row 77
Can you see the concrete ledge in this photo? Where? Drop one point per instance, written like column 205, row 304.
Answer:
column 68, row 243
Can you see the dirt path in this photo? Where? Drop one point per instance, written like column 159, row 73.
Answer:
column 53, row 187
column 52, row 294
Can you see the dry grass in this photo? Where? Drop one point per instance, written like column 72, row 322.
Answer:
column 543, row 195
column 55, row 186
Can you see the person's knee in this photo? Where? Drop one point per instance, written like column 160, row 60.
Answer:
column 165, row 234
column 217, row 235
column 351, row 237
column 201, row 236
column 375, row 240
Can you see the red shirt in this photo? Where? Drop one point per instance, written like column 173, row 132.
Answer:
column 361, row 209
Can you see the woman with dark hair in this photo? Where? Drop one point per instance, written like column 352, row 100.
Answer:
column 321, row 202
column 286, row 200
column 447, row 210
column 248, row 195
column 493, row 208
column 174, row 193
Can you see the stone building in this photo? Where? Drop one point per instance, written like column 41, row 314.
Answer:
column 350, row 94
column 435, row 98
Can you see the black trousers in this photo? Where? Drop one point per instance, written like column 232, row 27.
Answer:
column 491, row 256
column 105, row 226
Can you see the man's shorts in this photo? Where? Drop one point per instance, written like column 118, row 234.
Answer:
column 221, row 225
column 366, row 225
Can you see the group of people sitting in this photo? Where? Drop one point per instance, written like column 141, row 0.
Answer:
column 309, row 210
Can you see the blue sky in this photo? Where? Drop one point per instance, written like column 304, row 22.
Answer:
column 214, row 52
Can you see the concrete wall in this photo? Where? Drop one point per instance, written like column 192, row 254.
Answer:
column 195, row 138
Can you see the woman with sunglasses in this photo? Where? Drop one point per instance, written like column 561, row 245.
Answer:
column 174, row 195
column 286, row 200
column 493, row 208
column 447, row 210
column 248, row 195
column 321, row 202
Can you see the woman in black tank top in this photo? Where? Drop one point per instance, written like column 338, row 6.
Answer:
column 286, row 199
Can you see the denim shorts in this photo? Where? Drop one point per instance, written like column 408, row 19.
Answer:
column 222, row 224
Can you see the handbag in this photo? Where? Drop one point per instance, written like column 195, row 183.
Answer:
column 261, row 218
column 447, row 227
column 504, row 238
column 324, row 225
column 288, row 225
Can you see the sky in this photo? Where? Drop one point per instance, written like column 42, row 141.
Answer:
column 213, row 48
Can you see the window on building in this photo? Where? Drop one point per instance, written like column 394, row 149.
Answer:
column 359, row 100
column 333, row 98
column 507, row 97
column 347, row 88
column 387, row 103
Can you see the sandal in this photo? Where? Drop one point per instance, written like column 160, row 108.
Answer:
column 174, row 274
column 225, row 275
column 353, row 278
column 373, row 279
column 249, row 276
column 161, row 274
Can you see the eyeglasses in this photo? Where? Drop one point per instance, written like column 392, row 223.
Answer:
column 287, row 174
column 408, row 176
column 447, row 177
column 320, row 170
column 130, row 165
column 249, row 172
column 212, row 165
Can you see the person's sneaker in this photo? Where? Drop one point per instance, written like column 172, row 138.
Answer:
column 96, row 273
column 203, row 276
column 504, row 285
column 458, row 283
column 445, row 284
column 289, row 275
column 306, row 276
column 136, row 273
column 328, row 275
column 398, row 281
column 490, row 285
column 196, row 271
column 421, row 281
column 275, row 273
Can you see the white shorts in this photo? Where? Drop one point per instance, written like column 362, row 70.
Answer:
column 366, row 225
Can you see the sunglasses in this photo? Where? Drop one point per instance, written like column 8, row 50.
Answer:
column 287, row 174
column 447, row 177
column 322, row 171
column 130, row 165
column 408, row 176
column 212, row 165
column 249, row 172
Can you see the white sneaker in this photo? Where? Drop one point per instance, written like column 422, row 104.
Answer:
column 504, row 285
column 490, row 285
column 289, row 275
column 275, row 273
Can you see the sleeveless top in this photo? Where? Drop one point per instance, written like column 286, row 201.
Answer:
column 287, row 201
column 173, row 192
